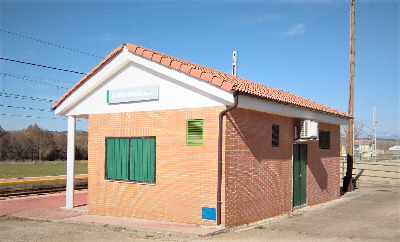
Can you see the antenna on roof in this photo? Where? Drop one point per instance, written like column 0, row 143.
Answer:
column 235, row 63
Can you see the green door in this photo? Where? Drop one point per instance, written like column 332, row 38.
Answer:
column 299, row 174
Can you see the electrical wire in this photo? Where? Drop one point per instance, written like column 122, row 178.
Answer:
column 378, row 131
column 32, row 116
column 26, row 116
column 23, row 78
column 29, row 108
column 34, row 109
column 5, row 94
column 52, row 44
column 33, row 77
column 39, row 65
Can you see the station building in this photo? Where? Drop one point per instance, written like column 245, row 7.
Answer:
column 175, row 141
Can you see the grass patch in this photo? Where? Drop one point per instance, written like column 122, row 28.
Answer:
column 38, row 169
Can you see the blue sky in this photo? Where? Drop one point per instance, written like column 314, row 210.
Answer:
column 296, row 45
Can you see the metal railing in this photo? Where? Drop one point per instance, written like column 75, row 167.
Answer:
column 364, row 166
column 378, row 158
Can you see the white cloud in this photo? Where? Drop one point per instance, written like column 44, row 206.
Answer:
column 251, row 19
column 296, row 30
column 308, row 1
column 106, row 37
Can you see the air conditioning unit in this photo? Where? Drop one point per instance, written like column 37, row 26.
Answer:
column 309, row 129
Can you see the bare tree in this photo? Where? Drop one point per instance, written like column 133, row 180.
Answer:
column 35, row 143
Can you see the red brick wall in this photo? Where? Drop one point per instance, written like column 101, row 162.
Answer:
column 259, row 177
column 186, row 176
column 323, row 168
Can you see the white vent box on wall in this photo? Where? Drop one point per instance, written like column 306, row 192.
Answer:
column 309, row 129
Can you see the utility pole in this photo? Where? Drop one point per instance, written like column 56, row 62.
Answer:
column 360, row 150
column 347, row 181
column 374, row 129
column 397, row 149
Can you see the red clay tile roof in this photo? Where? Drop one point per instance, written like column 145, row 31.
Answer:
column 223, row 80
column 362, row 142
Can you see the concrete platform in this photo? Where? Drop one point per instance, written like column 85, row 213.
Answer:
column 49, row 207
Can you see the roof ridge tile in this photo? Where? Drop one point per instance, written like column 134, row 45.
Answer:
column 165, row 60
column 185, row 68
column 217, row 81
column 195, row 72
column 148, row 54
column 206, row 76
column 156, row 57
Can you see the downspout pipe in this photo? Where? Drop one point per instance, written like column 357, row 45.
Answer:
column 221, row 117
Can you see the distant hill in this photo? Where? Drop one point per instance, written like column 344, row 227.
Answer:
column 385, row 144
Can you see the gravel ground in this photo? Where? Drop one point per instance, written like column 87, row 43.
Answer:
column 17, row 229
column 371, row 213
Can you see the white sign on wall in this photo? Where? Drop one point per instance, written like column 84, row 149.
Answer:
column 133, row 94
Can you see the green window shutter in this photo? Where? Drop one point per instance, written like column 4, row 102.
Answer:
column 194, row 132
column 142, row 160
column 275, row 135
column 324, row 139
column 117, row 159
column 110, row 162
column 135, row 157
column 149, row 158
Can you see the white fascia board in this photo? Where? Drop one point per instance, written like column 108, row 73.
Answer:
column 125, row 58
column 288, row 110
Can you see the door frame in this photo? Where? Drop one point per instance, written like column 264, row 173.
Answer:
column 299, row 176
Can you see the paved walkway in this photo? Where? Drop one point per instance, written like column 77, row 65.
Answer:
column 48, row 207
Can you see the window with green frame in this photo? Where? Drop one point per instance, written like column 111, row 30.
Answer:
column 324, row 139
column 275, row 135
column 131, row 159
column 194, row 131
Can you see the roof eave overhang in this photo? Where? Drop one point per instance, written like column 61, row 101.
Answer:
column 189, row 69
column 97, row 68
column 336, row 118
column 93, row 79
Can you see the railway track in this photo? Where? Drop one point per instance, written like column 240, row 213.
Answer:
column 38, row 185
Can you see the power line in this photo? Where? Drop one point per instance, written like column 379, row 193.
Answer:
column 34, row 109
column 391, row 130
column 25, row 116
column 32, row 116
column 5, row 94
column 40, row 78
column 23, row 78
column 52, row 44
column 378, row 131
column 49, row 67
